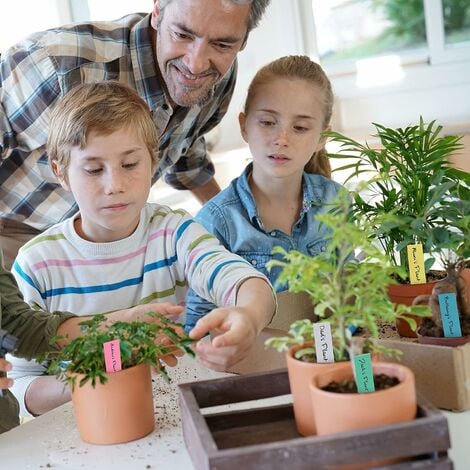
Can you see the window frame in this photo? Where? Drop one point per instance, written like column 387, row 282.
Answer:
column 437, row 51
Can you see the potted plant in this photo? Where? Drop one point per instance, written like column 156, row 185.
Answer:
column 345, row 293
column 453, row 243
column 411, row 177
column 111, row 407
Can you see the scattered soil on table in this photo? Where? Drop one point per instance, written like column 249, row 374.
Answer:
column 381, row 382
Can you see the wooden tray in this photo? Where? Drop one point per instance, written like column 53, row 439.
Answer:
column 265, row 438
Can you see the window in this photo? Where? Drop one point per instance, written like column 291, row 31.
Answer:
column 456, row 14
column 349, row 30
column 417, row 30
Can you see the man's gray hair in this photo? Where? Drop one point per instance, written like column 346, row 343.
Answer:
column 257, row 9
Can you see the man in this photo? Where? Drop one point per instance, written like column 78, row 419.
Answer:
column 181, row 59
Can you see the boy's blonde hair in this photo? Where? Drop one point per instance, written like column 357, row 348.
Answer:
column 301, row 67
column 102, row 107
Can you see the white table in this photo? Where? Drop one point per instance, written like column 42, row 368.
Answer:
column 52, row 440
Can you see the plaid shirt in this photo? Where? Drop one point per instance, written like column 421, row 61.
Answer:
column 43, row 67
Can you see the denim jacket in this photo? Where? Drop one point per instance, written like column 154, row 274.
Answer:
column 232, row 216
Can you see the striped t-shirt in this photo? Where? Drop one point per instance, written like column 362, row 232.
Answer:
column 168, row 252
column 58, row 270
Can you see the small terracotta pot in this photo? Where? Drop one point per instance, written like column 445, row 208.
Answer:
column 300, row 375
column 444, row 341
column 465, row 275
column 121, row 410
column 405, row 294
column 341, row 412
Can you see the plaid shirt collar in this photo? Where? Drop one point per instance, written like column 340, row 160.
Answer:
column 144, row 66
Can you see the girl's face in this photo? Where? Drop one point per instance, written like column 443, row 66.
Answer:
column 283, row 127
column 110, row 180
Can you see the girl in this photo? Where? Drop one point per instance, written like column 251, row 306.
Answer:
column 276, row 199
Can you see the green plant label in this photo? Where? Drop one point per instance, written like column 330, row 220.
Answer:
column 416, row 264
column 323, row 342
column 112, row 355
column 363, row 373
column 450, row 315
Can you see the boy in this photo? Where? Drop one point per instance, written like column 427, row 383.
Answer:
column 119, row 251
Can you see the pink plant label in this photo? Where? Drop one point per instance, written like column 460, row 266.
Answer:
column 112, row 356
column 323, row 342
column 363, row 373
column 416, row 264
column 450, row 315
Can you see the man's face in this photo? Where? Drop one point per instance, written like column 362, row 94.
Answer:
column 196, row 43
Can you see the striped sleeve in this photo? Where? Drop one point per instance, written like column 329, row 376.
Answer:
column 27, row 282
column 212, row 271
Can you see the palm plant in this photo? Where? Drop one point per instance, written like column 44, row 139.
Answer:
column 412, row 179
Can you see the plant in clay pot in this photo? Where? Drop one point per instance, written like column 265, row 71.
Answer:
column 345, row 293
column 450, row 297
column 112, row 391
column 411, row 175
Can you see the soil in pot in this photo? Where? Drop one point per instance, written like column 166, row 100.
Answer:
column 455, row 282
column 381, row 382
column 405, row 293
column 429, row 328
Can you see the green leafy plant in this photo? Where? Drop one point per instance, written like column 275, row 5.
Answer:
column 412, row 178
column 345, row 292
column 452, row 246
column 138, row 345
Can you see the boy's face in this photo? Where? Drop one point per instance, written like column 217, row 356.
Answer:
column 110, row 179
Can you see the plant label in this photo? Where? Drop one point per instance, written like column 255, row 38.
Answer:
column 112, row 356
column 416, row 264
column 450, row 315
column 363, row 373
column 323, row 342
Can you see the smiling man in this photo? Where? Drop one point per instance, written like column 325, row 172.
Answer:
column 181, row 59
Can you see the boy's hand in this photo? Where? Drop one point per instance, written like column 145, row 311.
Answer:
column 139, row 312
column 234, row 331
column 5, row 366
column 168, row 310
column 70, row 329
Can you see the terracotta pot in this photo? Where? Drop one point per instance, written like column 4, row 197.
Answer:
column 465, row 274
column 121, row 410
column 443, row 341
column 300, row 375
column 405, row 294
column 342, row 412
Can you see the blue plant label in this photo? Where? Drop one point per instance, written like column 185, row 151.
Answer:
column 363, row 373
column 323, row 342
column 450, row 315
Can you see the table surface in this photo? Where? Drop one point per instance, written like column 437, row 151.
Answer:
column 52, row 440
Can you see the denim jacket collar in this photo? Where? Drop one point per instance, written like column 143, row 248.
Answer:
column 311, row 196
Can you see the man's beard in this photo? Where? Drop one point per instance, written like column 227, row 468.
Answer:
column 184, row 96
